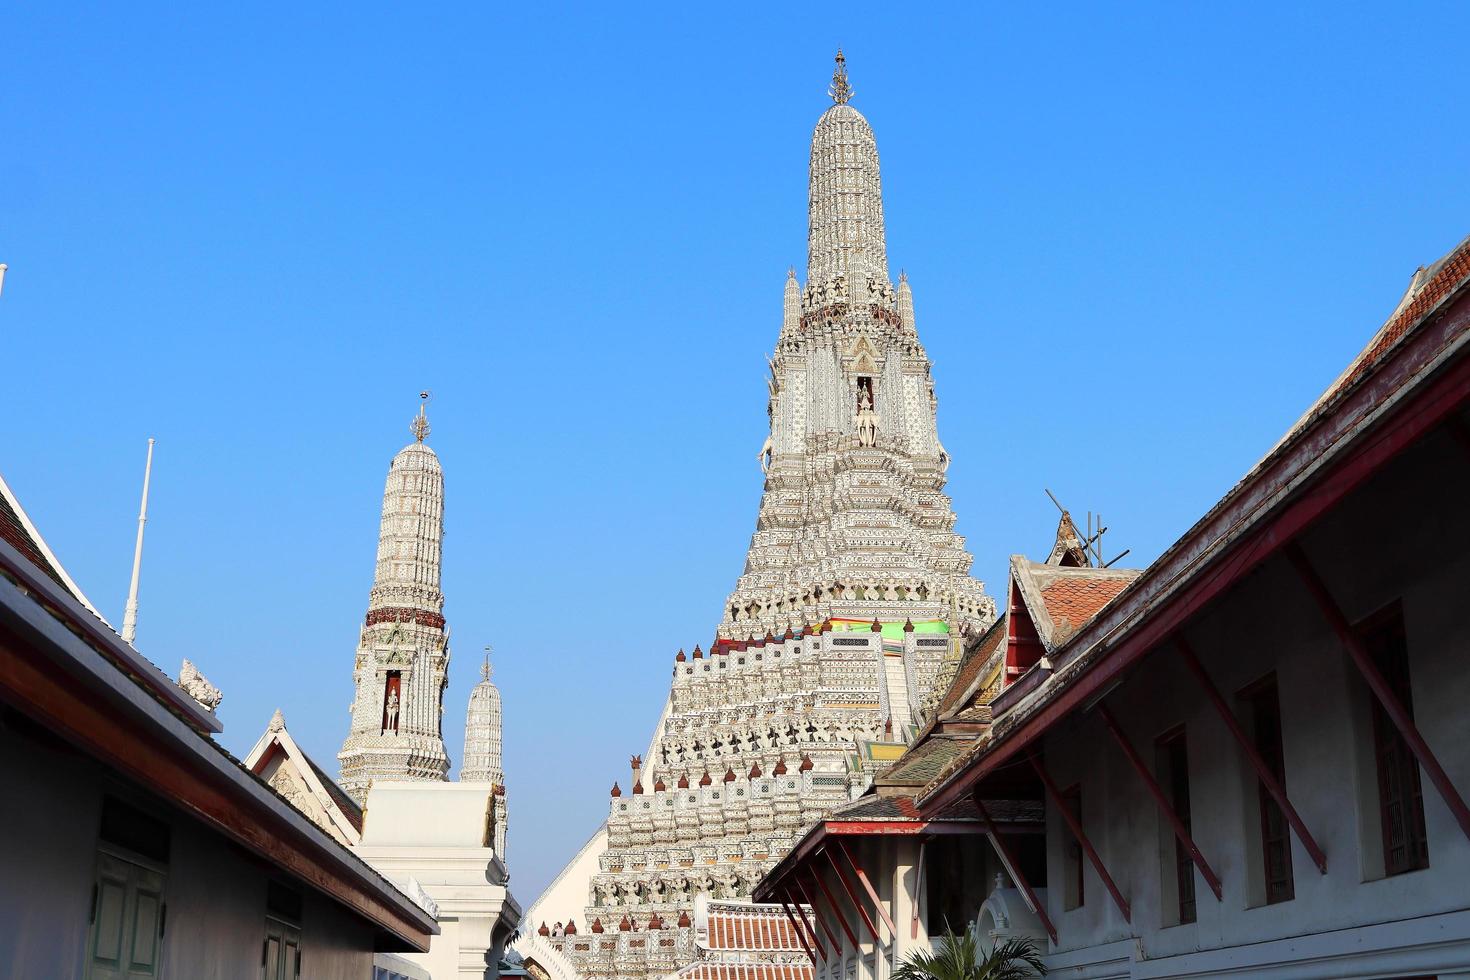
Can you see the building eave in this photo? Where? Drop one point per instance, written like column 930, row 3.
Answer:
column 817, row 835
column 55, row 670
column 1351, row 433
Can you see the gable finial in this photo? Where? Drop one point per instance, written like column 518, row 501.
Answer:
column 840, row 90
column 420, row 426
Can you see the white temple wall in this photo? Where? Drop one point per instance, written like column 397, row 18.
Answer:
column 1353, row 921
column 215, row 897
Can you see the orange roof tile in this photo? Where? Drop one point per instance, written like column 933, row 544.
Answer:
column 752, row 928
column 1074, row 599
column 746, row 971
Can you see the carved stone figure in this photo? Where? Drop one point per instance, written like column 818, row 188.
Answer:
column 198, row 687
column 391, row 724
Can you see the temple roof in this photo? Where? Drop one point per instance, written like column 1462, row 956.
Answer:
column 343, row 814
column 749, row 927
column 746, row 971
column 1061, row 599
column 972, row 663
column 923, row 762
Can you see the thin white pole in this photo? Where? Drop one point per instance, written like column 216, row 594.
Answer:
column 130, row 614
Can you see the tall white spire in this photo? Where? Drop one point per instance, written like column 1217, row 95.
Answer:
column 482, row 731
column 845, row 222
column 854, row 521
column 403, row 651
column 130, row 612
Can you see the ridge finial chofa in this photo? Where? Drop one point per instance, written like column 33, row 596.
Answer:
column 840, row 90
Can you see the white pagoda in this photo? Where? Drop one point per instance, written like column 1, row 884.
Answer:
column 838, row 632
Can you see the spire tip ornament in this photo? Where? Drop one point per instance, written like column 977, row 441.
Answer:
column 840, row 90
column 485, row 668
column 420, row 426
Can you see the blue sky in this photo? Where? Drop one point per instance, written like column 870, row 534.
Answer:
column 1141, row 238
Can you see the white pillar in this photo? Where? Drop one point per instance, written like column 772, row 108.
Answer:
column 906, row 899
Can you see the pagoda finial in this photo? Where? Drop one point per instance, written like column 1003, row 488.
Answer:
column 840, row 90
column 420, row 426
column 485, row 668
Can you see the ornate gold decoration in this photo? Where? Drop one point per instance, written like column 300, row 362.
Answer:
column 420, row 426
column 840, row 90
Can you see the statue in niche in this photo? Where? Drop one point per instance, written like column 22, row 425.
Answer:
column 867, row 415
column 391, row 716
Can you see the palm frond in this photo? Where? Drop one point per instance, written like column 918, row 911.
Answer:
column 960, row 957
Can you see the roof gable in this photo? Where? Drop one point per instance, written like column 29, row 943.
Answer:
column 288, row 770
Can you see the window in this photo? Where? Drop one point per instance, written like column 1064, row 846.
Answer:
column 1263, row 702
column 1400, row 796
column 1173, row 756
column 128, row 914
column 1073, row 896
column 280, row 956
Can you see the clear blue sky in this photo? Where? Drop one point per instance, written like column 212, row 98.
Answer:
column 1142, row 238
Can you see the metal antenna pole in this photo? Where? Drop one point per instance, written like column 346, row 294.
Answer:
column 130, row 614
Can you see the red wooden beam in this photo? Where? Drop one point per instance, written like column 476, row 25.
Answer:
column 1376, row 683
column 817, row 914
column 1267, row 777
column 800, row 932
column 1009, row 860
column 836, row 909
column 1075, row 826
column 1159, row 798
column 868, row 886
column 811, row 930
column 852, row 896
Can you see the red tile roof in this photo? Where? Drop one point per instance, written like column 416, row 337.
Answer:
column 13, row 532
column 1430, row 286
column 753, row 927
column 976, row 656
column 1072, row 600
column 746, row 971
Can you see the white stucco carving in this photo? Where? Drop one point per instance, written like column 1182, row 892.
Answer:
column 198, row 687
